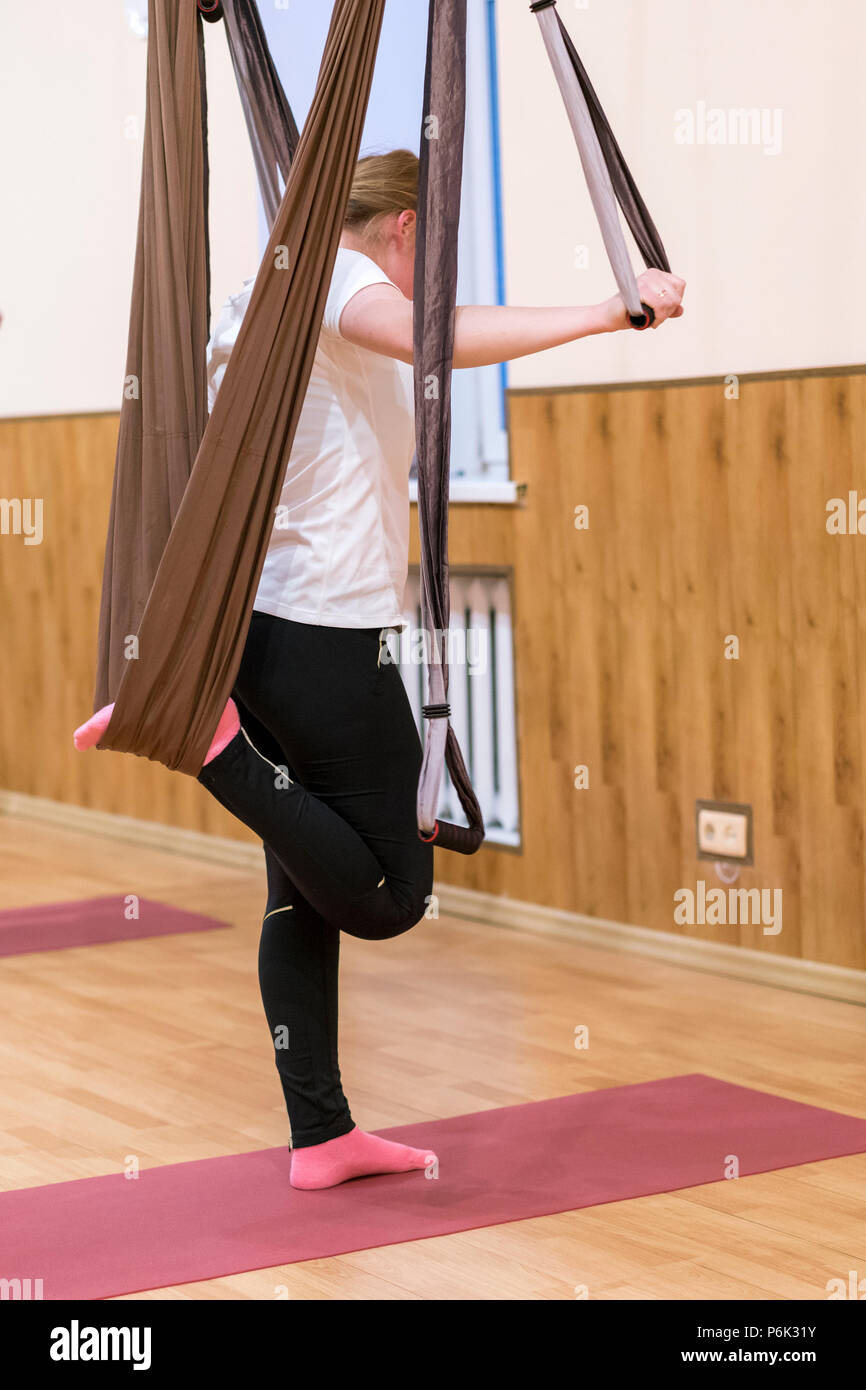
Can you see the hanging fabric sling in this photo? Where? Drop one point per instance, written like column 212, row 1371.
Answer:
column 435, row 297
column 164, row 409
column 607, row 175
column 169, row 698
column 193, row 499
column 435, row 291
column 271, row 126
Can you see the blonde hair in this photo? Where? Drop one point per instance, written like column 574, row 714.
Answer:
column 382, row 184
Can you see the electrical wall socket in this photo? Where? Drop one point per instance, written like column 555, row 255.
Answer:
column 724, row 831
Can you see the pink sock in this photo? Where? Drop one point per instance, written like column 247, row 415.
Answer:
column 86, row 735
column 228, row 726
column 353, row 1155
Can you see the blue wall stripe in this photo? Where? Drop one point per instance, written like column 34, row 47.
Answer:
column 499, row 234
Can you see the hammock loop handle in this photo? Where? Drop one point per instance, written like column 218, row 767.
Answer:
column 461, row 838
column 644, row 320
column 211, row 10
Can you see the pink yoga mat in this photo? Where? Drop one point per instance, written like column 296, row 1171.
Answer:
column 189, row 1221
column 91, row 922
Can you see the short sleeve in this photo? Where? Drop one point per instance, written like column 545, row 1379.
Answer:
column 223, row 340
column 353, row 271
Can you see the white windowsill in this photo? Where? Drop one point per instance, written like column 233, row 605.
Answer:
column 478, row 490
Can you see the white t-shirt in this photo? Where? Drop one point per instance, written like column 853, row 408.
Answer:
column 339, row 551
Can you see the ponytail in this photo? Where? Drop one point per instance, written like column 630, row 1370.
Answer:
column 382, row 184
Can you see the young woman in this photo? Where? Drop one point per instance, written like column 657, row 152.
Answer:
column 318, row 752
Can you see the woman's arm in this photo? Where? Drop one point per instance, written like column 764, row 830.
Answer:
column 380, row 318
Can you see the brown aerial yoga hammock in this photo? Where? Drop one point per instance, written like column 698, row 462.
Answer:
column 194, row 497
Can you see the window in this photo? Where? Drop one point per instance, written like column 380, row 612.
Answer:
column 296, row 36
column 479, row 448
column 481, row 693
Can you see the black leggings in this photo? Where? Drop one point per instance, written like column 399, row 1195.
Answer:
column 325, row 770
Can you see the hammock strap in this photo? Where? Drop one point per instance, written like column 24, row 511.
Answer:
column 270, row 123
column 607, row 176
column 435, row 297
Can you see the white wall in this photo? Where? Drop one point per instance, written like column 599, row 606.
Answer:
column 72, row 92
column 771, row 245
column 72, row 115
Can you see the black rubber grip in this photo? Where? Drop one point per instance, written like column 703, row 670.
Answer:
column 436, row 711
column 211, row 10
column 457, row 837
column 644, row 320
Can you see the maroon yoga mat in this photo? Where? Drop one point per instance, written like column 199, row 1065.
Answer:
column 92, row 921
column 217, row 1216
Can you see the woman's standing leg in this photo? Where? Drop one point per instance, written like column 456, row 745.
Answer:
column 299, row 962
column 322, row 711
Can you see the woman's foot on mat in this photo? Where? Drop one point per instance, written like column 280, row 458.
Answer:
column 91, row 732
column 353, row 1155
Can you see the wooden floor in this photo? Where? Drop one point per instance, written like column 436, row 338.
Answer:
column 159, row 1048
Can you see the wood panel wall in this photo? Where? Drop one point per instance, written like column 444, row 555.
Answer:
column 707, row 520
column 48, row 621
